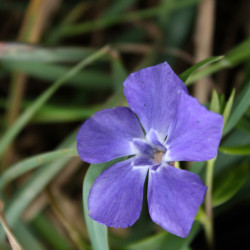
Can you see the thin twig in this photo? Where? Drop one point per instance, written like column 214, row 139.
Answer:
column 12, row 240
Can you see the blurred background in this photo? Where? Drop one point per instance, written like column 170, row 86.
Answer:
column 42, row 106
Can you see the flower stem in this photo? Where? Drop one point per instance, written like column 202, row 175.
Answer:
column 208, row 223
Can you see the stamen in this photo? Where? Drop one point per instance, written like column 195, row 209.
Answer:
column 158, row 156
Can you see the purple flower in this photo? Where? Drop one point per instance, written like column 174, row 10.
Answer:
column 176, row 128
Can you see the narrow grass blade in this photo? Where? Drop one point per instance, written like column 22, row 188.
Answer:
column 235, row 56
column 58, row 113
column 18, row 52
column 12, row 132
column 33, row 162
column 12, row 239
column 35, row 185
column 49, row 114
column 86, row 78
column 187, row 74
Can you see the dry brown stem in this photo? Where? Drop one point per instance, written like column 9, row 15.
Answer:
column 204, row 44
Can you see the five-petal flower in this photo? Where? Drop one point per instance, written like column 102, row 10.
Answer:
column 175, row 128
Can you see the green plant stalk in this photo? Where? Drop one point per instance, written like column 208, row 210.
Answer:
column 208, row 223
column 28, row 164
column 12, row 132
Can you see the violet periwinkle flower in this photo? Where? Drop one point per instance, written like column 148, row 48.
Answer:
column 172, row 126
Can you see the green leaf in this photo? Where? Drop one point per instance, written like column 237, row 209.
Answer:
column 186, row 74
column 165, row 240
column 97, row 233
column 236, row 150
column 228, row 183
column 241, row 105
column 228, row 107
column 215, row 102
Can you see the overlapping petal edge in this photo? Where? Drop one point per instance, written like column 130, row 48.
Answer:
column 176, row 124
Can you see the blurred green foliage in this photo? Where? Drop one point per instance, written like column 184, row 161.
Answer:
column 76, row 66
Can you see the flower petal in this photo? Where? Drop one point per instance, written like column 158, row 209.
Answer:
column 153, row 137
column 143, row 147
column 174, row 197
column 143, row 161
column 195, row 132
column 108, row 134
column 115, row 198
column 152, row 94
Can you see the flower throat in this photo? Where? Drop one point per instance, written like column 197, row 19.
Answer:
column 158, row 156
